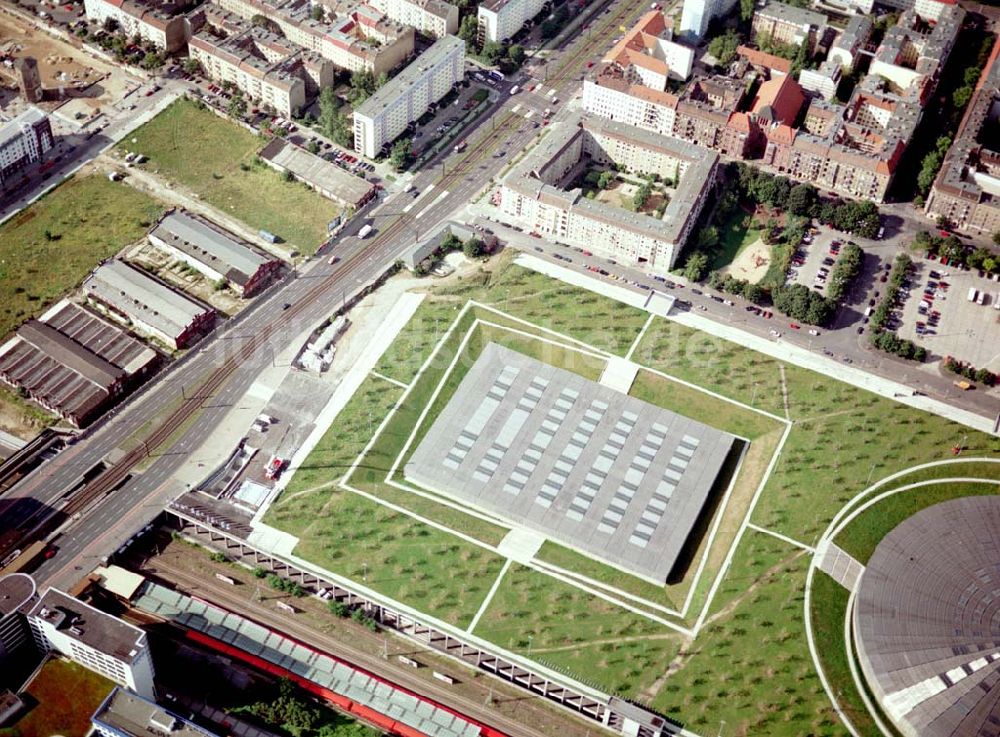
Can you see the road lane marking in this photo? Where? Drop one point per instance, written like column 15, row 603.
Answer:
column 436, row 200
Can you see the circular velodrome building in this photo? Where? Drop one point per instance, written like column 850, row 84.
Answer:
column 927, row 621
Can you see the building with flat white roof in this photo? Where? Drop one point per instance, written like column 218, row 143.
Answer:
column 431, row 17
column 23, row 141
column 532, row 196
column 94, row 639
column 216, row 253
column 381, row 118
column 151, row 306
column 696, row 16
column 125, row 714
column 501, row 19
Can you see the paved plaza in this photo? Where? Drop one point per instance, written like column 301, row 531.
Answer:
column 581, row 463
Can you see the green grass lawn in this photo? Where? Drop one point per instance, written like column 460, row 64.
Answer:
column 87, row 219
column 750, row 666
column 865, row 532
column 216, row 159
column 558, row 622
column 738, row 233
column 828, row 608
column 842, row 439
column 364, row 540
column 67, row 695
column 599, row 321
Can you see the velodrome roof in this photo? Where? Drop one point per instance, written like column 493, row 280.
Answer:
column 927, row 617
column 581, row 463
column 219, row 250
column 141, row 297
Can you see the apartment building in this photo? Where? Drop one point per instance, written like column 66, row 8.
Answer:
column 96, row 640
column 697, row 15
column 23, row 141
column 846, row 49
column 501, row 19
column 161, row 22
column 787, row 24
column 532, row 195
column 609, row 93
column 361, row 40
column 381, row 118
column 913, row 52
column 967, row 189
column 630, row 83
column 263, row 65
column 431, row 17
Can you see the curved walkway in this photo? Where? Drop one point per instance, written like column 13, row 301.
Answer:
column 844, row 517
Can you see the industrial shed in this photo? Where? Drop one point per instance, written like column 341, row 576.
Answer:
column 73, row 363
column 215, row 252
column 328, row 179
column 148, row 304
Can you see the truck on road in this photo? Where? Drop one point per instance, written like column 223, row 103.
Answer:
column 365, row 231
column 973, row 293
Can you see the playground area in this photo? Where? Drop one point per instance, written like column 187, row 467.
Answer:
column 751, row 262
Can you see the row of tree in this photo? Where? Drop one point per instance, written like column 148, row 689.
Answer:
column 803, row 304
column 900, row 269
column 889, row 342
column 983, row 375
column 296, row 716
column 845, row 271
column 951, row 248
column 737, row 287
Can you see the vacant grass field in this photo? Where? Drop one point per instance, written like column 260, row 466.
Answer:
column 216, row 159
column 87, row 220
column 67, row 695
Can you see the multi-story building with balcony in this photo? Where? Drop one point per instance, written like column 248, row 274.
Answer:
column 23, row 141
column 533, row 195
column 501, row 19
column 381, row 118
column 431, row 17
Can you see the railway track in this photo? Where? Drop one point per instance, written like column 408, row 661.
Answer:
column 225, row 597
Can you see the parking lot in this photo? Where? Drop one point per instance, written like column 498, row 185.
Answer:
column 938, row 315
column 814, row 259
